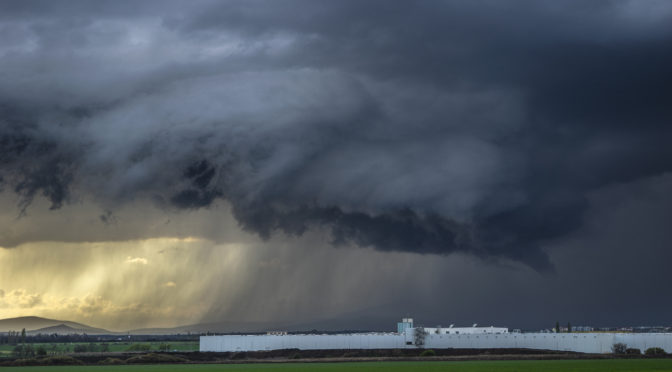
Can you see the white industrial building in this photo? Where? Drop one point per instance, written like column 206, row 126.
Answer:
column 408, row 336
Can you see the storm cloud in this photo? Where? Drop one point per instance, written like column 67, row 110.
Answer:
column 434, row 127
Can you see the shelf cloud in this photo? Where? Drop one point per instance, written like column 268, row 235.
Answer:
column 435, row 127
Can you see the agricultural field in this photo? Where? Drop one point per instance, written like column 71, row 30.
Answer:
column 606, row 365
column 58, row 348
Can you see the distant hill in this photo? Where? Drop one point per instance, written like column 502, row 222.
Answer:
column 222, row 327
column 64, row 329
column 34, row 325
column 250, row 327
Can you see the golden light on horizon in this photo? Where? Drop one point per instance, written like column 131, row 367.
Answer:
column 159, row 282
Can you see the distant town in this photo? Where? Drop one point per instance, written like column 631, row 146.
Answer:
column 638, row 329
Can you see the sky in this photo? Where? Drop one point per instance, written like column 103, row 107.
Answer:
column 340, row 164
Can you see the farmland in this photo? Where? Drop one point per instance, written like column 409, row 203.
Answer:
column 629, row 365
column 58, row 348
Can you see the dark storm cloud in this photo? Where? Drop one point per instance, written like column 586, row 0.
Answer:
column 198, row 195
column 433, row 126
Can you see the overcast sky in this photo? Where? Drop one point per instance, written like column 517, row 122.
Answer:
column 336, row 162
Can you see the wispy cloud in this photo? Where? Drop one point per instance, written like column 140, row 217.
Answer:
column 137, row 260
column 20, row 298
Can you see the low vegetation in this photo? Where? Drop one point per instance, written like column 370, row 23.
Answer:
column 33, row 350
column 603, row 365
column 112, row 361
column 59, row 360
column 428, row 353
column 155, row 359
column 139, row 347
column 619, row 348
column 655, row 351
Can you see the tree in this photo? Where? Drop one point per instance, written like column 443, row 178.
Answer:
column 654, row 351
column 41, row 351
column 557, row 327
column 569, row 327
column 633, row 351
column 18, row 351
column 428, row 353
column 619, row 348
column 23, row 351
column 80, row 348
column 138, row 347
column 420, row 334
column 28, row 350
column 23, row 336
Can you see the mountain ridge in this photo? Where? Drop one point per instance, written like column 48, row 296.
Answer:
column 36, row 325
column 64, row 329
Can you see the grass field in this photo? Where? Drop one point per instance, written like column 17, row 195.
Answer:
column 608, row 365
column 59, row 348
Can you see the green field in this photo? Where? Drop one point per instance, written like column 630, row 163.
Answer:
column 116, row 346
column 608, row 365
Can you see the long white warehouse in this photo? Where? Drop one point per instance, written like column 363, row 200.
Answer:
column 408, row 336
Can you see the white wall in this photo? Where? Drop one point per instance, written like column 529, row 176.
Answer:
column 585, row 343
column 304, row 342
column 580, row 342
column 644, row 341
